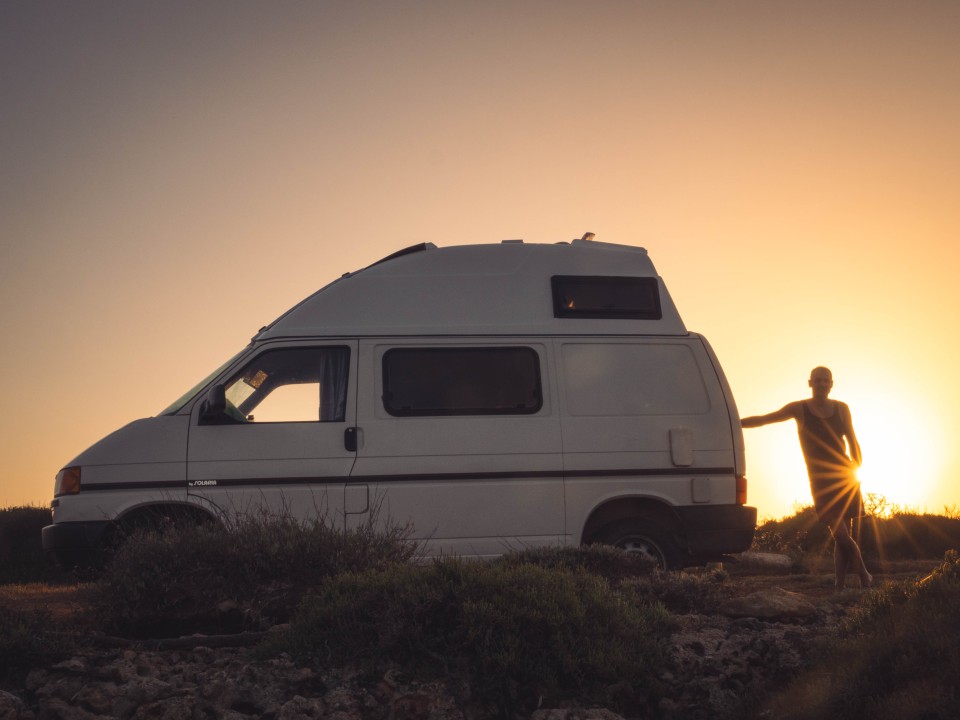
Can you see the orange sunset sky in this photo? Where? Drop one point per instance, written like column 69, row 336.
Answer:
column 175, row 175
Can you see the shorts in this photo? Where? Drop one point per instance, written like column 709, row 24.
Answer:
column 836, row 499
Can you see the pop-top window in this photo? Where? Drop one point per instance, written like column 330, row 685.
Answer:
column 634, row 298
column 462, row 381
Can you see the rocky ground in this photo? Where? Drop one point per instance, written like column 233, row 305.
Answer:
column 763, row 631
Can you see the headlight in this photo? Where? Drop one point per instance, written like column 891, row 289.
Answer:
column 68, row 482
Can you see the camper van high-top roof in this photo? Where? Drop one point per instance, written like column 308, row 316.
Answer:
column 509, row 288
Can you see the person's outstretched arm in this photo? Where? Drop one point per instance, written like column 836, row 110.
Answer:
column 787, row 412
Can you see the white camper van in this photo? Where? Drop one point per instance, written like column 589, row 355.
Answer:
column 493, row 397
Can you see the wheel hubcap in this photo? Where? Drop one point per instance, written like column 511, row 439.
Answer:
column 643, row 546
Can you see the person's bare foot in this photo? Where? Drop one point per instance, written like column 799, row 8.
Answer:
column 866, row 581
column 839, row 588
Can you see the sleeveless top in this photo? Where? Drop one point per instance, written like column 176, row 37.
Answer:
column 821, row 440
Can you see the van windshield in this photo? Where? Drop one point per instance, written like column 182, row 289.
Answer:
column 176, row 406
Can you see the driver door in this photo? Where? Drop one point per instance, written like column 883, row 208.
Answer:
column 282, row 444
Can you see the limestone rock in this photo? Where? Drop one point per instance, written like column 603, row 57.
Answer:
column 12, row 707
column 300, row 708
column 576, row 714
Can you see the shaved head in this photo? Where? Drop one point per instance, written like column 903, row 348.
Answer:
column 821, row 371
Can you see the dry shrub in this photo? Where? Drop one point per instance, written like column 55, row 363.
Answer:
column 907, row 535
column 887, row 533
column 220, row 578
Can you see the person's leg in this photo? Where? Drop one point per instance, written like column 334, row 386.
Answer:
column 840, row 558
column 846, row 551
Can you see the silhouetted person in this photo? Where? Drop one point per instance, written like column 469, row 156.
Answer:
column 826, row 436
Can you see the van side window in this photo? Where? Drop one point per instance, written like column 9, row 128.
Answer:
column 462, row 381
column 633, row 298
column 291, row 385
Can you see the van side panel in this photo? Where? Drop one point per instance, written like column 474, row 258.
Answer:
column 467, row 484
column 642, row 417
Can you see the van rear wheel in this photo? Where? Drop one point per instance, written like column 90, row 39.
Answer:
column 644, row 538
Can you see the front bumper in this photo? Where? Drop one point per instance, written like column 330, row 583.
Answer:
column 715, row 530
column 75, row 543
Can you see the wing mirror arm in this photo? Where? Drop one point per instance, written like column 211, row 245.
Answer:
column 214, row 406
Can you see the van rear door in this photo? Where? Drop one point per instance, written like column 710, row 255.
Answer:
column 284, row 444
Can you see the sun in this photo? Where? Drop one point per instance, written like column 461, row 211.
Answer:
column 901, row 452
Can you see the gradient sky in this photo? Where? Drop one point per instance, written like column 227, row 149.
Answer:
column 176, row 174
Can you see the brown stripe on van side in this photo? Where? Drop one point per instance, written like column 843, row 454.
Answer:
column 414, row 477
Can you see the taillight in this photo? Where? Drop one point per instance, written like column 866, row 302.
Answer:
column 741, row 490
column 68, row 482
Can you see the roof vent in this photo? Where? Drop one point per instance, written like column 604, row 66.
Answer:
column 588, row 236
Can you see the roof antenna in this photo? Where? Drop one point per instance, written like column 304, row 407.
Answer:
column 588, row 236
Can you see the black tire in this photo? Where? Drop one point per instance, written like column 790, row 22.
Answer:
column 644, row 537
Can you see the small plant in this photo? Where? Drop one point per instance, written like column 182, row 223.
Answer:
column 517, row 634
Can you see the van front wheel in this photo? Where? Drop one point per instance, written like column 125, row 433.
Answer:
column 645, row 538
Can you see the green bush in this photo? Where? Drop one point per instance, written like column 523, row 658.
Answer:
column 514, row 633
column 215, row 578
column 22, row 559
column 898, row 658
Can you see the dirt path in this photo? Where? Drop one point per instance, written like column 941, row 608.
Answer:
column 66, row 604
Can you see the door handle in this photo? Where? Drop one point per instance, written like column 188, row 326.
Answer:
column 350, row 439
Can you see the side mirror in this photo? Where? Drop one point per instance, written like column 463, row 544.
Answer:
column 214, row 407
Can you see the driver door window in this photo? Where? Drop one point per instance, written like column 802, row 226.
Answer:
column 291, row 385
